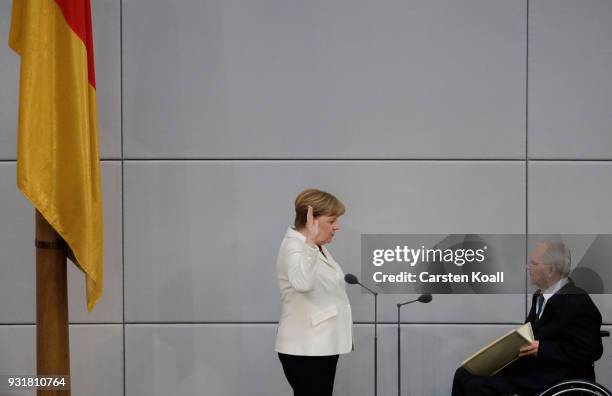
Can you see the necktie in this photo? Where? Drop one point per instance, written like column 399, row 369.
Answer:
column 539, row 306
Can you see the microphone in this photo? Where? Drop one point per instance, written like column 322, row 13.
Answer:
column 353, row 280
column 423, row 298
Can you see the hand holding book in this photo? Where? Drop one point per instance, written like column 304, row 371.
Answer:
column 531, row 349
column 503, row 351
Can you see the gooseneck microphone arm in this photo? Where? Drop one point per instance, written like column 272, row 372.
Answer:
column 407, row 302
column 353, row 280
column 367, row 288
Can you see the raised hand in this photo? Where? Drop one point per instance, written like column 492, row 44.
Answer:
column 312, row 227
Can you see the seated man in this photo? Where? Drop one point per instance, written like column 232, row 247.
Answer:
column 566, row 327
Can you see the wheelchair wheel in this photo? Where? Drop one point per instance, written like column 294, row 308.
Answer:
column 576, row 387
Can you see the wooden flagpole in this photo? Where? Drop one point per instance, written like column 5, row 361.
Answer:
column 52, row 340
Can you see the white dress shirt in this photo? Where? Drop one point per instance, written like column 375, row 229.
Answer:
column 549, row 292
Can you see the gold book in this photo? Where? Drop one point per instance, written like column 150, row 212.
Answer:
column 499, row 353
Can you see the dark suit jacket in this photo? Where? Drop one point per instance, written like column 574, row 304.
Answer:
column 570, row 341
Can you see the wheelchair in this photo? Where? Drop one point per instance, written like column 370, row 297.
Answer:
column 575, row 387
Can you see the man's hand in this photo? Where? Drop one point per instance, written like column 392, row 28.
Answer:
column 531, row 349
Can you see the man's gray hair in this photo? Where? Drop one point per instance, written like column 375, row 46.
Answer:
column 558, row 255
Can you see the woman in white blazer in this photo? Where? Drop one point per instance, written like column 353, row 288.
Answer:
column 315, row 325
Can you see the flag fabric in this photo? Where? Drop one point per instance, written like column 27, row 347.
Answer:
column 58, row 166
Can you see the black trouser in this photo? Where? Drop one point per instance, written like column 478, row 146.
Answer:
column 466, row 384
column 310, row 375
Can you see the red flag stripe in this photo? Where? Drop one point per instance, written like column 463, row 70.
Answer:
column 78, row 17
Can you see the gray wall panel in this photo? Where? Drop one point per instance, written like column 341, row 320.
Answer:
column 453, row 308
column 190, row 359
column 107, row 40
column 432, row 353
column 9, row 81
column 219, row 360
column 18, row 353
column 106, row 28
column 17, row 284
column 572, row 198
column 570, row 79
column 222, row 223
column 96, row 357
column 343, row 79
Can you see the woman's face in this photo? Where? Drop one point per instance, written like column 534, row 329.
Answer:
column 328, row 225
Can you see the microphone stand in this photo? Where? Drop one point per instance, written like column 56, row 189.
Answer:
column 375, row 338
column 425, row 298
column 356, row 281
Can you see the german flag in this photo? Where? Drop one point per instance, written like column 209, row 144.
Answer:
column 58, row 166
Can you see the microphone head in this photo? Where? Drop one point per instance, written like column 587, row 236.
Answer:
column 425, row 298
column 351, row 279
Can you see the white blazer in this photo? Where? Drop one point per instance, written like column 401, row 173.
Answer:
column 316, row 315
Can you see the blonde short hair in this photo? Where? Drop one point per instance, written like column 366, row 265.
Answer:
column 323, row 203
